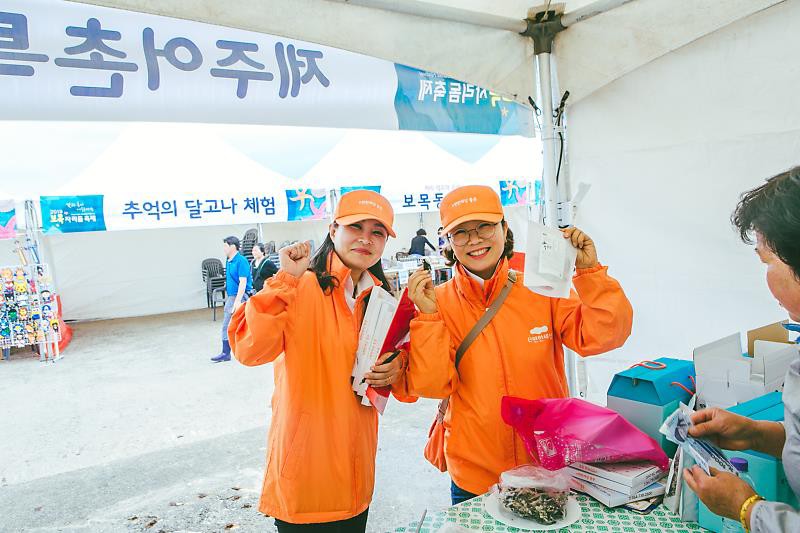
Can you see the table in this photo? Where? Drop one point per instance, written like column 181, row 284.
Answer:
column 595, row 517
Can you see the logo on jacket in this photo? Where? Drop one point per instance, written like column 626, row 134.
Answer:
column 540, row 334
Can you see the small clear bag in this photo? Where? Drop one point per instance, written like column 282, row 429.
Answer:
column 534, row 493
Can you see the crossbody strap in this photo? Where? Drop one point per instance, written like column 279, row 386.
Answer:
column 476, row 330
column 486, row 318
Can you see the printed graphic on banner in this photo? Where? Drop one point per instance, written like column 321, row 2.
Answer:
column 308, row 204
column 514, row 192
column 373, row 188
column 169, row 211
column 8, row 219
column 431, row 102
column 537, row 197
column 71, row 214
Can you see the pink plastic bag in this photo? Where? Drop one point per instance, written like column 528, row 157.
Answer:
column 562, row 431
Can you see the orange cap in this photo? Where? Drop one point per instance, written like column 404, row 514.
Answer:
column 356, row 206
column 472, row 202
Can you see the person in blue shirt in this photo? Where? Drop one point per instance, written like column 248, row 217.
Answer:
column 238, row 287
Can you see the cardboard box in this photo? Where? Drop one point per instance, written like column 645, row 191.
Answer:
column 645, row 397
column 766, row 471
column 727, row 377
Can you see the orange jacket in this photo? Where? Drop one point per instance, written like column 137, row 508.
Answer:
column 322, row 441
column 519, row 354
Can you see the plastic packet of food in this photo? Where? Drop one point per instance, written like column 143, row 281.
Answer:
column 534, row 493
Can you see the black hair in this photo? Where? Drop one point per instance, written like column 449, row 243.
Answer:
column 508, row 248
column 260, row 246
column 232, row 241
column 773, row 211
column 421, row 232
column 320, row 266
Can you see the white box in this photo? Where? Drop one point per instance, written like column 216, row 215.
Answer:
column 726, row 377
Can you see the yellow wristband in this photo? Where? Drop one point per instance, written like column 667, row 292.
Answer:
column 743, row 511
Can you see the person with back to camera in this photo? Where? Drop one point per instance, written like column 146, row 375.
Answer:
column 419, row 242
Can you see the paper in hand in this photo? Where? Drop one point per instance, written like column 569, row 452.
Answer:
column 676, row 429
column 549, row 261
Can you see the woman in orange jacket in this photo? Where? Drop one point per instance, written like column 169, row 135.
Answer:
column 322, row 441
column 519, row 353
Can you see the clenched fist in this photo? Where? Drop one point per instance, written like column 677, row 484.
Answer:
column 295, row 258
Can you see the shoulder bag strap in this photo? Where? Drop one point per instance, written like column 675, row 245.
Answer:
column 476, row 330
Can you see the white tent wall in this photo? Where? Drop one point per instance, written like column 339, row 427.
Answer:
column 668, row 149
column 8, row 253
column 133, row 273
column 121, row 274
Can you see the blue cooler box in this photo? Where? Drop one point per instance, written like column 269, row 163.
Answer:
column 645, row 397
column 766, row 471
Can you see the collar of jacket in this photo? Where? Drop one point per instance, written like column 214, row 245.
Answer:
column 472, row 290
column 340, row 271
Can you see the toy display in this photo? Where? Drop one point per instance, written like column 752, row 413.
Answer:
column 27, row 301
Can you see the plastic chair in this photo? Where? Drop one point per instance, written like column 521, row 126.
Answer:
column 214, row 278
column 248, row 241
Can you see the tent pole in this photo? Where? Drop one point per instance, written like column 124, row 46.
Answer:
column 549, row 186
column 542, row 29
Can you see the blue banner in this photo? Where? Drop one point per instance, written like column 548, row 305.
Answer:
column 71, row 214
column 308, row 204
column 431, row 102
column 373, row 188
column 514, row 192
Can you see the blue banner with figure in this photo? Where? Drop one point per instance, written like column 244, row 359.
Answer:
column 308, row 204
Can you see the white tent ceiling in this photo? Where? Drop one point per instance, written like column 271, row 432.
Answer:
column 138, row 157
column 590, row 54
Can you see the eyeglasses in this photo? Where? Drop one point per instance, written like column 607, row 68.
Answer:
column 483, row 231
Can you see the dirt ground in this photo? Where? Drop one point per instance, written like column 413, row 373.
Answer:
column 136, row 430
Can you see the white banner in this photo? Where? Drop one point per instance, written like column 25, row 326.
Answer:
column 69, row 61
column 172, row 211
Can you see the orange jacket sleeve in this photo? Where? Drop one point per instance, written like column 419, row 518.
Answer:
column 431, row 367
column 598, row 318
column 400, row 388
column 258, row 328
